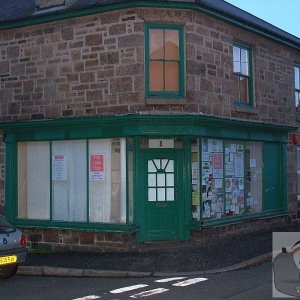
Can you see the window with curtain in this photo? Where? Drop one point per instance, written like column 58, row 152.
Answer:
column 73, row 180
column 242, row 74
column 164, row 60
column 33, row 180
column 297, row 87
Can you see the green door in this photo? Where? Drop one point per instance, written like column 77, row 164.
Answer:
column 162, row 195
column 272, row 177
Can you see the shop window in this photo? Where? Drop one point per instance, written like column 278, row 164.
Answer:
column 231, row 178
column 212, row 179
column 33, row 180
column 87, row 180
column 297, row 87
column 164, row 60
column 69, row 189
column 242, row 75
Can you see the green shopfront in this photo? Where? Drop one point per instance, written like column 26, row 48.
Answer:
column 153, row 177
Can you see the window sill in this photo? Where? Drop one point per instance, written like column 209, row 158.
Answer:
column 165, row 101
column 239, row 107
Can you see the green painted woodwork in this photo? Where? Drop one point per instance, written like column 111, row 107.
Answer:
column 143, row 125
column 163, row 126
column 272, row 177
column 164, row 94
column 162, row 211
column 230, row 19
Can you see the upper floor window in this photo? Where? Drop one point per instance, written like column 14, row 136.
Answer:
column 242, row 74
column 297, row 87
column 164, row 60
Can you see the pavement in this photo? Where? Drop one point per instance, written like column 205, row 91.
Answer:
column 158, row 259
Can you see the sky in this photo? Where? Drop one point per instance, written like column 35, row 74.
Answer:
column 284, row 14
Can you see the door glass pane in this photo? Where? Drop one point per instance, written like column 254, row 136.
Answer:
column 161, row 194
column 156, row 76
column 151, row 166
column 161, row 180
column 151, row 180
column 170, row 179
column 171, row 77
column 152, row 194
column 170, row 194
column 164, row 163
column 157, row 164
column 156, row 44
column 170, row 167
column 171, row 44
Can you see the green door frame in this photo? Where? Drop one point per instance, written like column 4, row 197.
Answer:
column 180, row 199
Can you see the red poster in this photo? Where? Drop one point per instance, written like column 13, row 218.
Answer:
column 97, row 163
column 218, row 161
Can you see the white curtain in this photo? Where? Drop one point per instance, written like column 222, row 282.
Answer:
column 33, row 180
column 100, row 190
column 70, row 190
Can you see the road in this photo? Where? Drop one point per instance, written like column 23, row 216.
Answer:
column 253, row 283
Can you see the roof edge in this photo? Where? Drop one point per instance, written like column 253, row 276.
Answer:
column 194, row 5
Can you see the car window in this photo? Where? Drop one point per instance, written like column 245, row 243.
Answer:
column 5, row 227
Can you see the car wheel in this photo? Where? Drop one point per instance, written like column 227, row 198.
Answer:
column 8, row 271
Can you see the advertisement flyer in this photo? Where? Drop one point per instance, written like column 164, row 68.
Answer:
column 97, row 170
column 59, row 170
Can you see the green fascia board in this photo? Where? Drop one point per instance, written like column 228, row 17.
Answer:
column 57, row 16
column 144, row 125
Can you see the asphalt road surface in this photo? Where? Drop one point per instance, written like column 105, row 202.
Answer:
column 253, row 283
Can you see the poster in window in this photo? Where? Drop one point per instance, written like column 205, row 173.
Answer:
column 239, row 165
column 97, row 168
column 59, row 171
column 218, row 165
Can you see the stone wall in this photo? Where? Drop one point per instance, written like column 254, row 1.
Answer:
column 79, row 240
column 109, row 241
column 95, row 65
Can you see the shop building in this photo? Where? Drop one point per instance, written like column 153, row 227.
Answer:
column 132, row 121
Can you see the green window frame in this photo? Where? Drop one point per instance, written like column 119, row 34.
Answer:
column 297, row 87
column 54, row 173
column 164, row 61
column 243, row 77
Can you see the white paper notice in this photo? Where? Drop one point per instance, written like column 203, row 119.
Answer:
column 253, row 163
column 59, row 171
column 218, row 183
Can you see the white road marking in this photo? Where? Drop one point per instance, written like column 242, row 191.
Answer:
column 169, row 279
column 91, row 297
column 189, row 282
column 149, row 293
column 128, row 288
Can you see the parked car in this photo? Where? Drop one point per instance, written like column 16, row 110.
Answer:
column 12, row 248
